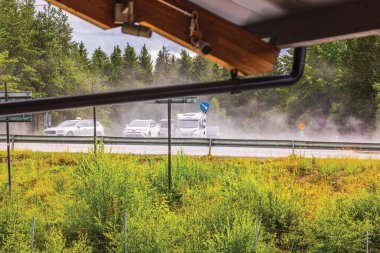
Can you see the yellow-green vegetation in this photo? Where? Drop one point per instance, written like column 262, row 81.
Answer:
column 79, row 201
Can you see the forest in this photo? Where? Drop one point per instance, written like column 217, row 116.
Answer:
column 340, row 87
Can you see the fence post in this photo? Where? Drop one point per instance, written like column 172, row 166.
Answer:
column 366, row 241
column 209, row 146
column 125, row 232
column 32, row 242
column 256, row 234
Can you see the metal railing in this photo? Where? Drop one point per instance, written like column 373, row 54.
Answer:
column 200, row 142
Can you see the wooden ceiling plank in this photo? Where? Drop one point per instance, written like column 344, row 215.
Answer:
column 97, row 12
column 232, row 46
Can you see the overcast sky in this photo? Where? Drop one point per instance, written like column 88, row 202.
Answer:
column 94, row 37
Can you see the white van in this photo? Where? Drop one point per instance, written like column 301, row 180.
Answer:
column 191, row 125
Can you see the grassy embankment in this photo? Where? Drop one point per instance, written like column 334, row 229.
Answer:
column 79, row 201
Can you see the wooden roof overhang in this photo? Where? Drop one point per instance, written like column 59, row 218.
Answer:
column 232, row 46
column 239, row 31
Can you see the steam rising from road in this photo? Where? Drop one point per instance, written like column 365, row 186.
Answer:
column 267, row 125
column 246, row 124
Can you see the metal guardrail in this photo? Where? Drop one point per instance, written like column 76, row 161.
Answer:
column 202, row 142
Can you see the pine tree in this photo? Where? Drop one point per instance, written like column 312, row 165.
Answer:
column 83, row 55
column 115, row 66
column 98, row 70
column 173, row 69
column 202, row 69
column 219, row 73
column 145, row 75
column 7, row 68
column 162, row 66
column 131, row 64
column 185, row 64
column 99, row 61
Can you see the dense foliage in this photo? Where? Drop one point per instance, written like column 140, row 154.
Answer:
column 79, row 201
column 341, row 86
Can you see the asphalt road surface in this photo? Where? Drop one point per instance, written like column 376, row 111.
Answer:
column 216, row 151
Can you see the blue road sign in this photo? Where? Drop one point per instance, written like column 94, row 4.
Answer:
column 204, row 106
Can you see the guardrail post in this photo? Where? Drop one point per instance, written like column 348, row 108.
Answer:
column 293, row 147
column 209, row 146
column 13, row 142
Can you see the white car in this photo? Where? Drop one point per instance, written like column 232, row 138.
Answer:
column 75, row 127
column 142, row 128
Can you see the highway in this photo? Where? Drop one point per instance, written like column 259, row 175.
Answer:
column 194, row 150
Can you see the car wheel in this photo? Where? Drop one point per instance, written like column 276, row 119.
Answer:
column 70, row 134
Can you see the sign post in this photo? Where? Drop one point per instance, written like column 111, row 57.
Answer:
column 6, row 96
column 8, row 144
column 185, row 100
column 95, row 134
column 205, row 106
column 169, row 145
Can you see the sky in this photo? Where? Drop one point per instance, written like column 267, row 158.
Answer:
column 93, row 37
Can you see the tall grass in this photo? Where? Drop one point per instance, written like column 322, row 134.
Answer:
column 79, row 202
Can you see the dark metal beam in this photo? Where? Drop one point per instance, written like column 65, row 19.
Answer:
column 345, row 21
column 118, row 97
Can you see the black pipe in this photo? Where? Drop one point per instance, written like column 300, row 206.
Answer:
column 117, row 97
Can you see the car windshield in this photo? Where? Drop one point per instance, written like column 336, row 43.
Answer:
column 188, row 124
column 139, row 123
column 69, row 123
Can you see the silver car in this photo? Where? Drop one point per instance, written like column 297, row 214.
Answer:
column 75, row 128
